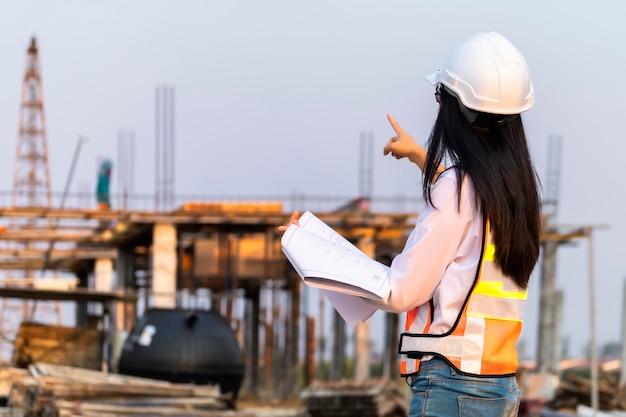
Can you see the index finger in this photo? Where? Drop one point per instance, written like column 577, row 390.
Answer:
column 394, row 124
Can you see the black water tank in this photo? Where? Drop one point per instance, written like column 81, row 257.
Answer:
column 184, row 346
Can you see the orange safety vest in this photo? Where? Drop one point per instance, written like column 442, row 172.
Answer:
column 483, row 337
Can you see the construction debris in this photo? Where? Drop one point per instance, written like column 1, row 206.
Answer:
column 574, row 390
column 368, row 398
column 63, row 391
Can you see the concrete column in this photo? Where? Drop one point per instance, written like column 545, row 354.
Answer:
column 362, row 330
column 123, row 313
column 338, row 360
column 103, row 280
column 125, row 270
column 164, row 266
column 545, row 341
column 125, row 267
column 293, row 337
column 81, row 306
column 391, row 367
column 251, row 346
column 557, row 345
column 104, row 275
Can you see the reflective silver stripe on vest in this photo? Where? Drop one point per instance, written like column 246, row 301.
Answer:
column 474, row 341
column 452, row 344
column 496, row 308
column 468, row 348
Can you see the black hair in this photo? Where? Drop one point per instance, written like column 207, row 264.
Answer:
column 493, row 151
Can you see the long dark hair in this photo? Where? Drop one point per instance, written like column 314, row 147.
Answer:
column 493, row 151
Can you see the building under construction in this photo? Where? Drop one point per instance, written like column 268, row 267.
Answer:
column 108, row 268
column 114, row 267
column 221, row 256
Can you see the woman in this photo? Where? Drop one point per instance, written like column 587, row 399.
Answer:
column 462, row 275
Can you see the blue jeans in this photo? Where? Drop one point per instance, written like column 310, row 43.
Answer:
column 440, row 391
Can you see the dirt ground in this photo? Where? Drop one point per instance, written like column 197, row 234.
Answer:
column 272, row 408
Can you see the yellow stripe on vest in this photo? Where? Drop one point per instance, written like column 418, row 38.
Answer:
column 490, row 252
column 494, row 289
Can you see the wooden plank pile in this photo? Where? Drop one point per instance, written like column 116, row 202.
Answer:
column 62, row 391
column 73, row 346
column 9, row 375
column 375, row 397
column 574, row 389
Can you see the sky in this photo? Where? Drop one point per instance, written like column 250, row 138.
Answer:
column 271, row 99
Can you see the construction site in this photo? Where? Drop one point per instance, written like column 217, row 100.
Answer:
column 204, row 284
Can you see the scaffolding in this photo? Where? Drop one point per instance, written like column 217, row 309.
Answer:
column 31, row 188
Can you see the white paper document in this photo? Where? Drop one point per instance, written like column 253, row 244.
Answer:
column 325, row 259
column 353, row 310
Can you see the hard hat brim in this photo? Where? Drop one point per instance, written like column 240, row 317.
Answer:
column 432, row 78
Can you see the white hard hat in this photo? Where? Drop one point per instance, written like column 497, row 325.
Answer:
column 488, row 74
